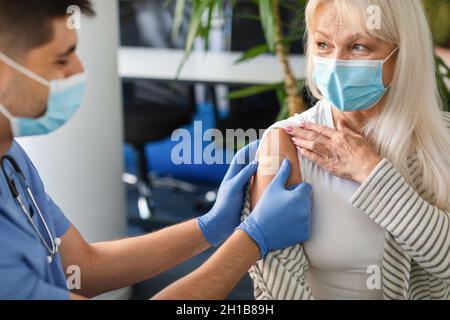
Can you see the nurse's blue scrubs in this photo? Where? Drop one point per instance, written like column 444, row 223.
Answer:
column 24, row 270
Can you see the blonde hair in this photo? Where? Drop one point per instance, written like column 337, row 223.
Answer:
column 411, row 120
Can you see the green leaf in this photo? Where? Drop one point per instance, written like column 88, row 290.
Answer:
column 443, row 90
column 178, row 18
column 262, row 49
column 253, row 90
column 220, row 7
column 207, row 29
column 267, row 22
column 281, row 95
column 253, row 53
column 198, row 9
column 284, row 111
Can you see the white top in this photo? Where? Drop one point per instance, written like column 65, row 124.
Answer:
column 416, row 263
column 209, row 67
column 345, row 246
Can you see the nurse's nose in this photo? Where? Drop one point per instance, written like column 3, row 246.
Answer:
column 74, row 66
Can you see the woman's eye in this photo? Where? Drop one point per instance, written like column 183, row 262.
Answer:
column 359, row 48
column 322, row 45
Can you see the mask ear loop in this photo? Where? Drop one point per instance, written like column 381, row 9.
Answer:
column 384, row 61
column 5, row 112
column 392, row 53
column 18, row 67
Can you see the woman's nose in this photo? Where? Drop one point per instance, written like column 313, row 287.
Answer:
column 341, row 54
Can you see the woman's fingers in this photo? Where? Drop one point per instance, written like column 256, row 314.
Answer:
column 313, row 146
column 310, row 140
column 306, row 134
column 320, row 129
column 314, row 157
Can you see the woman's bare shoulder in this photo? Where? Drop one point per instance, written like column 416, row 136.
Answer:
column 277, row 145
column 274, row 148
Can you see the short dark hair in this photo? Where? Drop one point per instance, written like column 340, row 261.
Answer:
column 27, row 24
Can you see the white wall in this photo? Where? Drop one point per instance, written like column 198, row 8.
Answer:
column 81, row 164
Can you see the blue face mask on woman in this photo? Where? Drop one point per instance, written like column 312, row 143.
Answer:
column 350, row 85
column 64, row 99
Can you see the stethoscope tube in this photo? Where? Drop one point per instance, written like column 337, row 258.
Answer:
column 55, row 242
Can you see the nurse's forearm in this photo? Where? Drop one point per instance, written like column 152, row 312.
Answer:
column 117, row 264
column 219, row 275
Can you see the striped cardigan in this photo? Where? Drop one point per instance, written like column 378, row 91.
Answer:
column 416, row 254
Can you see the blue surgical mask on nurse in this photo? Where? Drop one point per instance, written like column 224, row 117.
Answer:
column 64, row 99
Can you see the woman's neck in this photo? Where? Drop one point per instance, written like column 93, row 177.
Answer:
column 356, row 120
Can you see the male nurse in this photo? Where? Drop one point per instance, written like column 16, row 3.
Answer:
column 42, row 82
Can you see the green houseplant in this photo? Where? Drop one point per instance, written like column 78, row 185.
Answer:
column 438, row 12
column 277, row 42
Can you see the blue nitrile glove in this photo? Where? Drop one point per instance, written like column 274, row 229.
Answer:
column 219, row 223
column 282, row 216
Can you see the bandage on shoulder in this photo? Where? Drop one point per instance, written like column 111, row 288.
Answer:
column 269, row 165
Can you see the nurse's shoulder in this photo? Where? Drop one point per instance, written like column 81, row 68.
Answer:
column 26, row 165
column 50, row 210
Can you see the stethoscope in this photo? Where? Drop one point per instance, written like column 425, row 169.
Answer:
column 53, row 248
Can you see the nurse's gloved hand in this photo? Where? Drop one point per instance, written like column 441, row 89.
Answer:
column 282, row 216
column 219, row 223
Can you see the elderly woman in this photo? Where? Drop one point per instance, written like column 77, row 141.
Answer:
column 376, row 149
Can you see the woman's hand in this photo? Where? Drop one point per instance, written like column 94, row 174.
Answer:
column 342, row 152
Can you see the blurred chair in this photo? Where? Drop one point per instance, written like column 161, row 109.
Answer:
column 152, row 110
column 145, row 123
